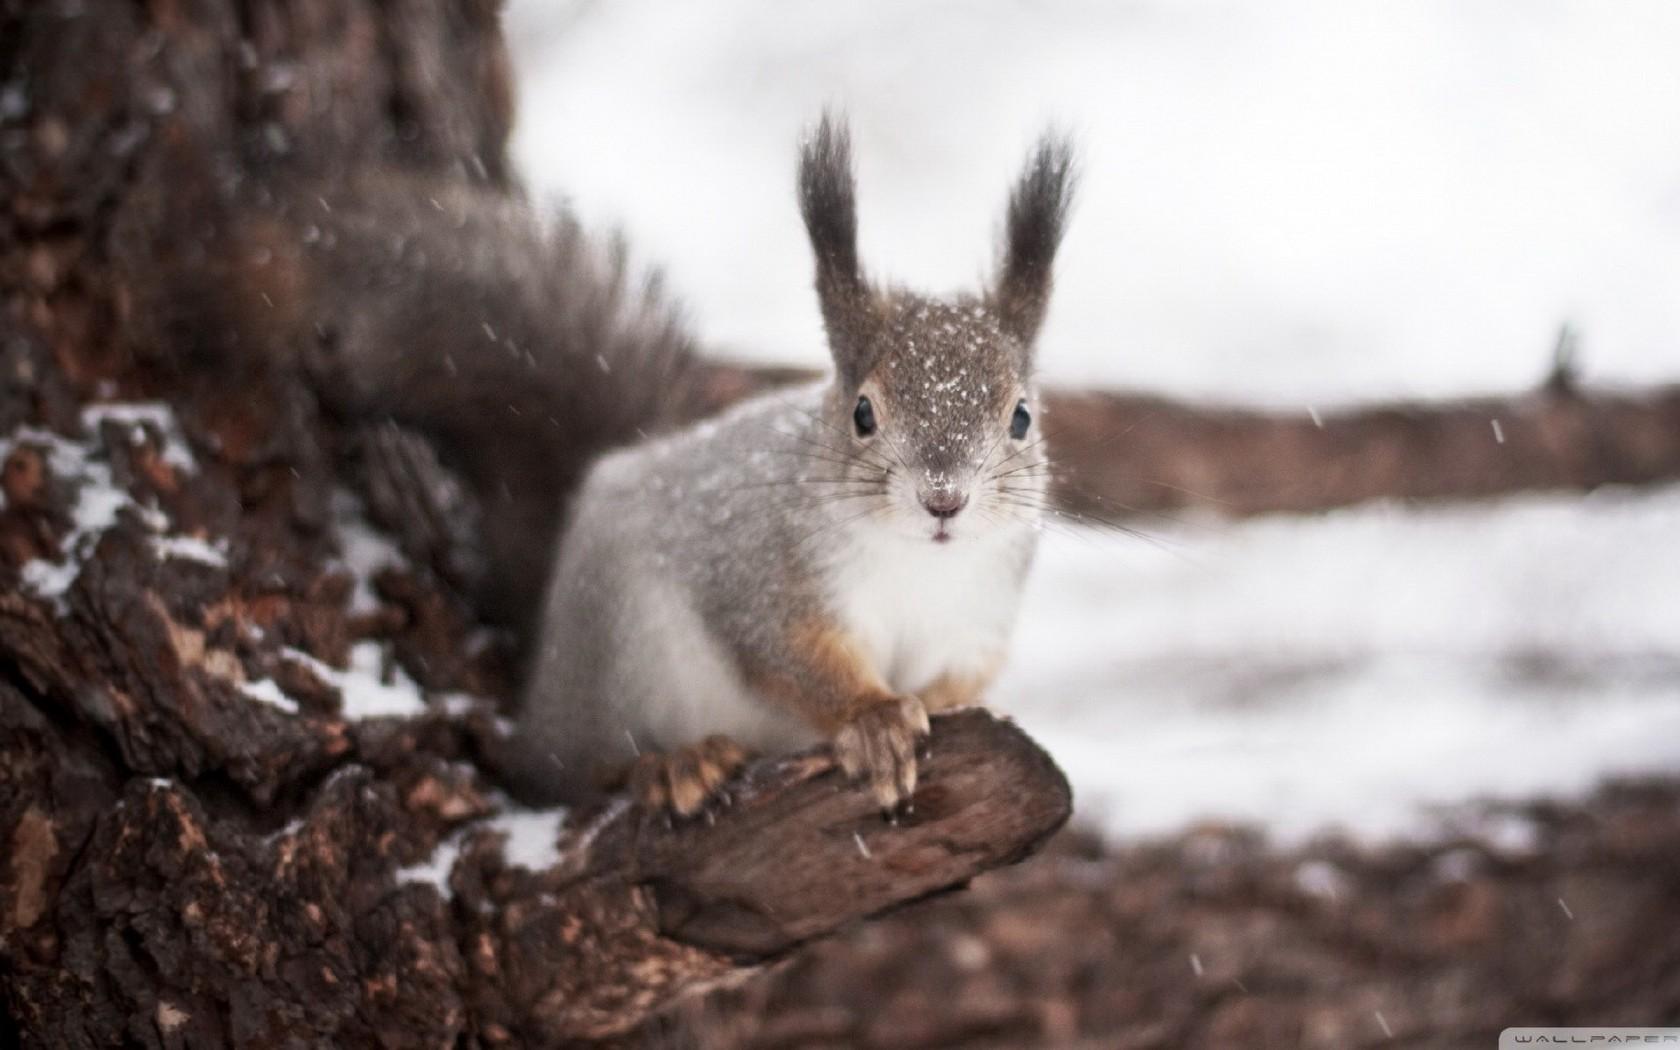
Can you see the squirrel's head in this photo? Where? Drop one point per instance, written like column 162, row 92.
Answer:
column 935, row 397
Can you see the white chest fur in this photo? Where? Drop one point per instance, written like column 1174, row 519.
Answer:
column 921, row 609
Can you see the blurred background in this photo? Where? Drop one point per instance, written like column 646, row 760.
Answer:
column 1304, row 206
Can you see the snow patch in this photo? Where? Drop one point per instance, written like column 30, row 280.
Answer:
column 366, row 692
column 1320, row 878
column 530, row 840
column 50, row 579
column 98, row 501
column 1511, row 835
column 190, row 548
column 364, row 687
column 137, row 413
column 288, row 830
column 533, row 837
column 364, row 551
column 434, row 870
column 269, row 692
column 457, row 704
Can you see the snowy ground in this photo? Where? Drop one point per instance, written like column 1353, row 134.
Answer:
column 1292, row 203
column 1358, row 669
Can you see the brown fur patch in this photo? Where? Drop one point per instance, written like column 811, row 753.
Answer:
column 827, row 681
column 874, row 731
column 952, row 691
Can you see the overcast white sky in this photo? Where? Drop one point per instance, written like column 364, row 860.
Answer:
column 1297, row 201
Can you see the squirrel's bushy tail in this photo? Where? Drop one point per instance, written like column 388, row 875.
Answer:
column 519, row 345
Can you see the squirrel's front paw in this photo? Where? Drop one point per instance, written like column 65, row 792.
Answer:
column 879, row 742
column 684, row 780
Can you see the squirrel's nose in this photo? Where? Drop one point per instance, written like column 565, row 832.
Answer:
column 944, row 503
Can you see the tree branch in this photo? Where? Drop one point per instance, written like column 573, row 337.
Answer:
column 1131, row 453
column 1121, row 454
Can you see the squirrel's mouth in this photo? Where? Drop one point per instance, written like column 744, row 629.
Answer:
column 941, row 534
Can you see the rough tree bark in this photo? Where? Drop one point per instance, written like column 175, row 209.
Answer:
column 241, row 797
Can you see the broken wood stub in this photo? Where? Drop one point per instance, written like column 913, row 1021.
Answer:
column 752, row 886
column 638, row 910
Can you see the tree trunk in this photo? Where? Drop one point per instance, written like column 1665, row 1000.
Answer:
column 241, row 734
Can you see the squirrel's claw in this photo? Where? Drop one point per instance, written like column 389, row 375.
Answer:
column 879, row 745
column 683, row 781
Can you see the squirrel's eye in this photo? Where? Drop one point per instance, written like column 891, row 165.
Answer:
column 1019, row 423
column 863, row 416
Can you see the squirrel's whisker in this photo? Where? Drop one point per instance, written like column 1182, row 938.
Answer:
column 1056, row 514
column 1051, row 503
column 897, row 453
column 814, row 457
column 875, row 482
column 843, row 457
column 823, row 530
column 1026, row 468
column 860, row 453
column 1023, row 450
column 986, row 460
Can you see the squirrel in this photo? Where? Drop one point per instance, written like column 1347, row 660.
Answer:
column 830, row 562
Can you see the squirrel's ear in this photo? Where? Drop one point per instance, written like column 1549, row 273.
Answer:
column 828, row 203
column 1038, row 209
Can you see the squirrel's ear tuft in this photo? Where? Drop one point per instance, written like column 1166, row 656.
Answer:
column 828, row 203
column 1038, row 209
